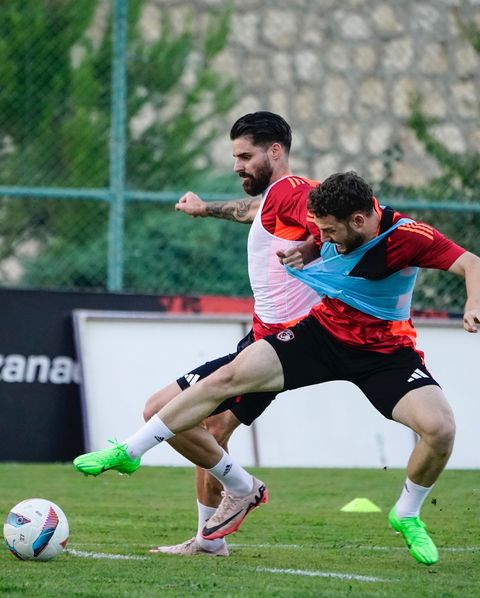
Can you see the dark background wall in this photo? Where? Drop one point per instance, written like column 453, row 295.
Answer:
column 40, row 411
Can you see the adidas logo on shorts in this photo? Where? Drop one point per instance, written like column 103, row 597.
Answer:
column 416, row 375
column 192, row 378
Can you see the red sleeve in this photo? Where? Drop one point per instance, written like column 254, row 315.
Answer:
column 419, row 244
column 284, row 212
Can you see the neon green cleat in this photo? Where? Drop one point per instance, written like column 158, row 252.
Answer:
column 111, row 458
column 414, row 531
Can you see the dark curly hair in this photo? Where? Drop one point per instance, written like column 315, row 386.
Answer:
column 340, row 195
column 263, row 128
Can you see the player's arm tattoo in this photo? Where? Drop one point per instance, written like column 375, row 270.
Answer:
column 241, row 210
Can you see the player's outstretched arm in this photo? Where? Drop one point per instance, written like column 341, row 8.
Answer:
column 468, row 266
column 238, row 210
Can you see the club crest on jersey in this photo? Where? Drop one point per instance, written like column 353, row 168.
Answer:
column 285, row 335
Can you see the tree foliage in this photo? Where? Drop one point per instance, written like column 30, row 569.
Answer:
column 55, row 104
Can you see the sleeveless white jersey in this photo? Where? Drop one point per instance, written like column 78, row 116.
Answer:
column 278, row 296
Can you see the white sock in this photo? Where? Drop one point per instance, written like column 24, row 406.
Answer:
column 236, row 480
column 149, row 435
column 411, row 499
column 204, row 514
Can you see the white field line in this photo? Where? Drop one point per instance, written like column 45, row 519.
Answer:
column 264, row 545
column 345, row 576
column 105, row 555
column 354, row 546
column 137, row 544
column 127, row 557
column 114, row 545
column 310, row 546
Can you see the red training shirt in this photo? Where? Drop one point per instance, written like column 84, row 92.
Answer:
column 414, row 244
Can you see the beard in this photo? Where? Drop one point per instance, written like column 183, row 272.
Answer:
column 351, row 242
column 256, row 184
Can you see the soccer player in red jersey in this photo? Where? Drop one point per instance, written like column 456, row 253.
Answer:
column 277, row 211
column 356, row 334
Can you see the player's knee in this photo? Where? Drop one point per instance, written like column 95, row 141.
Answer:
column 157, row 402
column 446, row 432
column 441, row 432
column 152, row 406
column 148, row 412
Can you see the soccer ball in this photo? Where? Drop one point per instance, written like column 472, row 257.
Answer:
column 36, row 530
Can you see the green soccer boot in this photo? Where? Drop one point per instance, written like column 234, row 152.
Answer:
column 111, row 458
column 414, row 531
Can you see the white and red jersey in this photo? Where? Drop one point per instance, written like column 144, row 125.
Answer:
column 281, row 223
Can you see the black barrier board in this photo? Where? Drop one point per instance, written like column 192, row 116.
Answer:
column 40, row 413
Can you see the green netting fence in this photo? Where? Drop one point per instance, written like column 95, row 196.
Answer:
column 207, row 257
column 102, row 128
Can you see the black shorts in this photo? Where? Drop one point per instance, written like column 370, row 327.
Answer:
column 309, row 355
column 245, row 407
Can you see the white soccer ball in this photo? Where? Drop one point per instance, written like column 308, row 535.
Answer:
column 36, row 530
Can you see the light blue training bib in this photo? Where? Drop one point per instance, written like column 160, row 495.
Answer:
column 387, row 299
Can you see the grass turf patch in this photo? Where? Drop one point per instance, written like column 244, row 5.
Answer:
column 299, row 544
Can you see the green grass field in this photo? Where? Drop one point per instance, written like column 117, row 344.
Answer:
column 299, row 544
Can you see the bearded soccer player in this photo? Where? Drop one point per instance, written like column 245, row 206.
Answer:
column 261, row 145
column 361, row 332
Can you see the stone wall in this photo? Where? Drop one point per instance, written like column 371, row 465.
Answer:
column 344, row 73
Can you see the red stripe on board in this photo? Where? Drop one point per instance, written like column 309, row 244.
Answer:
column 206, row 304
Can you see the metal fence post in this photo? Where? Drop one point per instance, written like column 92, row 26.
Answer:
column 117, row 145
